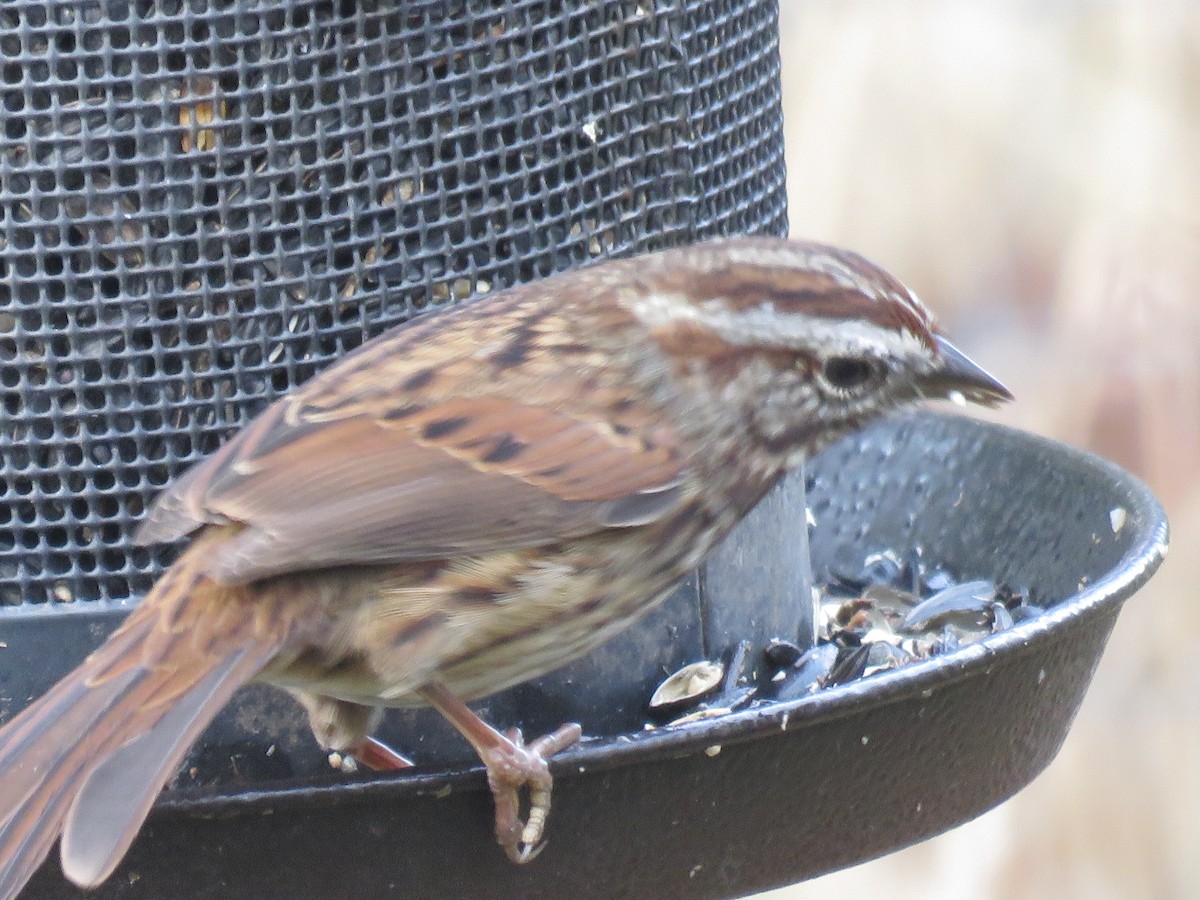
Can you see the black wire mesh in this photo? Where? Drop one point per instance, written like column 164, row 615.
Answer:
column 205, row 201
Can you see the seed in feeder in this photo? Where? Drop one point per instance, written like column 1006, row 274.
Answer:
column 882, row 656
column 851, row 663
column 781, row 653
column 810, row 672
column 849, row 611
column 859, row 621
column 1002, row 619
column 689, row 683
column 964, row 603
column 890, row 597
column 937, row 580
column 884, row 567
column 203, row 111
column 882, row 636
column 347, row 764
column 406, row 189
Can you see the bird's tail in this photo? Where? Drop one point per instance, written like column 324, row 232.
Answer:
column 88, row 759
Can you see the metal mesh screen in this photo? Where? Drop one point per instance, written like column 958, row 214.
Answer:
column 205, row 201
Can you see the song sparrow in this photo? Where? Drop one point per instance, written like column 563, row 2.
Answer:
column 464, row 503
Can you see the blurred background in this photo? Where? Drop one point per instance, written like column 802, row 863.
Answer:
column 1032, row 170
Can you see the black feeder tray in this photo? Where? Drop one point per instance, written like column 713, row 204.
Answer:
column 726, row 806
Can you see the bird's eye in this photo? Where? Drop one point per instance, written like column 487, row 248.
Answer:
column 848, row 374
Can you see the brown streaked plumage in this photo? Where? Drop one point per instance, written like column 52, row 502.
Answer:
column 469, row 501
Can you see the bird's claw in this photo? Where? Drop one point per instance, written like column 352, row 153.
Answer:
column 512, row 766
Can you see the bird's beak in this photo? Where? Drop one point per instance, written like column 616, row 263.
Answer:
column 958, row 375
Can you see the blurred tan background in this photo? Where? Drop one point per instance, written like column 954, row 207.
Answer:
column 1032, row 169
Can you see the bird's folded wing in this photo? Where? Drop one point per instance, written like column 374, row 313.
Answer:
column 421, row 478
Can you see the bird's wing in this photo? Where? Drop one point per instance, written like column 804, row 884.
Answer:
column 385, row 458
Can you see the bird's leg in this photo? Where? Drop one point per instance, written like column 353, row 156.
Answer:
column 375, row 754
column 511, row 765
column 346, row 727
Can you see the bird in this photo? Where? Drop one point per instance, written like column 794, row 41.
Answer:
column 466, row 502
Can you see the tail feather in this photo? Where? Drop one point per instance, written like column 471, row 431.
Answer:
column 28, row 835
column 33, row 746
column 36, row 790
column 88, row 758
column 117, row 794
column 29, row 832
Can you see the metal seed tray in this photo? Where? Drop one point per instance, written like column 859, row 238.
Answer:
column 756, row 799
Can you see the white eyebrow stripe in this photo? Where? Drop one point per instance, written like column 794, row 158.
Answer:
column 764, row 325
